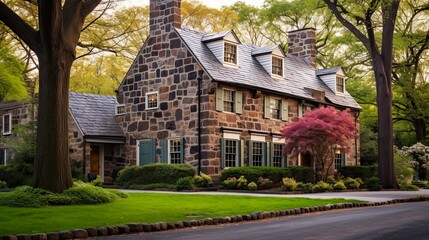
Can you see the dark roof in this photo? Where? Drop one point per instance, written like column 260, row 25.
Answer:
column 250, row 73
column 217, row 36
column 95, row 114
column 321, row 72
column 265, row 50
column 8, row 105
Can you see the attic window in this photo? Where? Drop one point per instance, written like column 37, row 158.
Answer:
column 230, row 53
column 152, row 100
column 120, row 109
column 277, row 68
column 340, row 84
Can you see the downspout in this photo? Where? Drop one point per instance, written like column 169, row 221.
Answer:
column 199, row 79
column 356, row 133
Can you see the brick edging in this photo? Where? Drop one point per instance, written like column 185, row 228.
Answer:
column 163, row 226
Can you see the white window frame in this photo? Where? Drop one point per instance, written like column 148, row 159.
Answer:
column 236, row 54
column 116, row 109
column 180, row 150
column 147, row 102
column 9, row 132
column 342, row 153
column 234, row 100
column 272, row 66
column 280, row 108
column 234, row 136
column 336, row 85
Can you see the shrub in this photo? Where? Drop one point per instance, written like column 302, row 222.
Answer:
column 275, row 174
column 230, row 183
column 373, row 184
column 351, row 183
column 203, row 180
column 362, row 172
column 185, row 183
column 86, row 193
column 3, row 184
column 77, row 171
column 339, row 186
column 252, row 186
column 403, row 166
column 241, row 183
column 304, row 187
column 264, row 183
column 408, row 187
column 289, row 184
column 321, row 186
column 331, row 180
column 97, row 181
column 154, row 173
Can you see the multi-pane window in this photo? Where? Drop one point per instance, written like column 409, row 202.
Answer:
column 340, row 84
column 7, row 124
column 152, row 100
column 120, row 109
column 275, row 108
column 339, row 159
column 257, row 154
column 230, row 53
column 278, row 155
column 228, row 100
column 231, row 153
column 175, row 151
column 277, row 68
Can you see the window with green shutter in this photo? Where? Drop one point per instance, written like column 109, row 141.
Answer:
column 277, row 157
column 231, row 153
column 228, row 100
column 257, row 153
column 275, row 108
column 172, row 151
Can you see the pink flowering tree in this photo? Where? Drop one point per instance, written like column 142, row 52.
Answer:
column 320, row 132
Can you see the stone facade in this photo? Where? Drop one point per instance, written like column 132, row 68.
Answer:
column 21, row 112
column 302, row 43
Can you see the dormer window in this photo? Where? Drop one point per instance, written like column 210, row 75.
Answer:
column 230, row 53
column 277, row 67
column 340, row 84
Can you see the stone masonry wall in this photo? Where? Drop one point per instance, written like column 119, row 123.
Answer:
column 302, row 43
column 21, row 114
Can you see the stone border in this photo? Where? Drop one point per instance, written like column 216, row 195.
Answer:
column 163, row 226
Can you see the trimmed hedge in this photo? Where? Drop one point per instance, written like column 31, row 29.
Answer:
column 154, row 173
column 275, row 174
column 362, row 172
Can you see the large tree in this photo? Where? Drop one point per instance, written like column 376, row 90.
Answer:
column 54, row 41
column 362, row 19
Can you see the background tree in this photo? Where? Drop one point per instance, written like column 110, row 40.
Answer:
column 320, row 132
column 12, row 85
column 54, row 42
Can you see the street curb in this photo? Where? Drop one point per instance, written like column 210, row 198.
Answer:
column 164, row 226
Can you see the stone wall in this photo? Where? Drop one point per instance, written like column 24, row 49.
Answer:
column 76, row 142
column 302, row 43
column 22, row 113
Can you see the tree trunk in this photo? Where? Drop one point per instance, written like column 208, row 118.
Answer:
column 52, row 167
column 420, row 129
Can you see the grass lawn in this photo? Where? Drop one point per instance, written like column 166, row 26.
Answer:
column 142, row 207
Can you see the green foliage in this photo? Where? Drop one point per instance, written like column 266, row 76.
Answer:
column 241, row 182
column 304, row 187
column 368, row 146
column 331, row 180
column 80, row 193
column 321, row 186
column 403, row 166
column 420, row 157
column 185, row 183
column 230, row 183
column 408, row 187
column 3, row 184
column 12, row 86
column 97, row 181
column 264, row 183
column 77, row 171
column 289, row 184
column 339, row 186
column 373, row 184
column 351, row 183
column 362, row 172
column 252, row 186
column 153, row 173
column 275, row 174
column 203, row 180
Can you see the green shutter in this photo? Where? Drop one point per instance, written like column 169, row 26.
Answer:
column 344, row 159
column 270, row 153
column 238, row 102
column 284, row 110
column 222, row 153
column 182, row 150
column 164, row 151
column 264, row 154
column 238, row 153
column 267, row 106
column 219, row 99
column 147, row 151
column 249, row 152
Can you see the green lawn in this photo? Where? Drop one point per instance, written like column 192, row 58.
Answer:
column 142, row 207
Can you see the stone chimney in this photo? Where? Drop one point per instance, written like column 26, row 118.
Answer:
column 164, row 16
column 302, row 43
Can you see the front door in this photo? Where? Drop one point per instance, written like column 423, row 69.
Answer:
column 95, row 160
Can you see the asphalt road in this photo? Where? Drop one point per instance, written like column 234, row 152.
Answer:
column 390, row 222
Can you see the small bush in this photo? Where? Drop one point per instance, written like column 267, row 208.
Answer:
column 321, row 186
column 304, row 187
column 408, row 187
column 154, row 173
column 339, row 186
column 252, row 186
column 351, row 183
column 331, row 180
column 230, row 183
column 185, row 183
column 203, row 180
column 154, row 186
column 97, row 181
column 89, row 194
column 264, row 183
column 373, row 184
column 362, row 172
column 3, row 184
column 289, row 184
column 241, row 183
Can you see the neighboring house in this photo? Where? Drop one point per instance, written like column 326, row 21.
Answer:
column 247, row 95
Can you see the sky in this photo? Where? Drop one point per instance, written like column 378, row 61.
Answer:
column 210, row 3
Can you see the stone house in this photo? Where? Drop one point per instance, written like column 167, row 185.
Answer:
column 210, row 101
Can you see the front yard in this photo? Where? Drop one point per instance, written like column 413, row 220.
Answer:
column 142, row 207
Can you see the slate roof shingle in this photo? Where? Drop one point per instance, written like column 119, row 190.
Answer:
column 95, row 114
column 299, row 75
column 321, row 72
